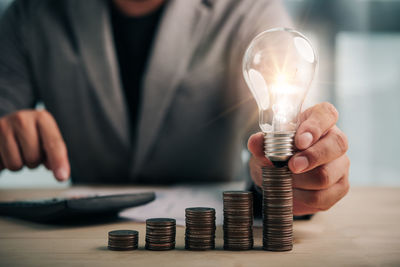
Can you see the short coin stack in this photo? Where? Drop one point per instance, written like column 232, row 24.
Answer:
column 160, row 233
column 238, row 220
column 200, row 228
column 277, row 209
column 123, row 240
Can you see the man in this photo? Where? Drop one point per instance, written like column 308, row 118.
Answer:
column 149, row 92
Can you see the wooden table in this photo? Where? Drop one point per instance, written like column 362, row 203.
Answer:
column 363, row 229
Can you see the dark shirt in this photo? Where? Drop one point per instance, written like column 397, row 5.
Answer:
column 133, row 38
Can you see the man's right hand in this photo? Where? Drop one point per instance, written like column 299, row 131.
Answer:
column 32, row 137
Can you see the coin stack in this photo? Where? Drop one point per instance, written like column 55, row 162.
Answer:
column 277, row 209
column 160, row 233
column 238, row 220
column 123, row 240
column 200, row 228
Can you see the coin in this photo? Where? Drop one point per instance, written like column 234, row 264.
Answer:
column 160, row 233
column 277, row 209
column 123, row 240
column 200, row 228
column 238, row 220
column 161, row 221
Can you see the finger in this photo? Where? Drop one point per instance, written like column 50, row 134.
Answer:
column 329, row 147
column 53, row 146
column 9, row 150
column 321, row 199
column 26, row 134
column 314, row 123
column 323, row 176
column 256, row 147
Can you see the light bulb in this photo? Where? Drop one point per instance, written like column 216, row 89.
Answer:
column 279, row 66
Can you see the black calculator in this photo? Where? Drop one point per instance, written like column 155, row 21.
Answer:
column 73, row 209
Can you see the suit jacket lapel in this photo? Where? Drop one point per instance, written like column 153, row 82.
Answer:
column 179, row 31
column 92, row 25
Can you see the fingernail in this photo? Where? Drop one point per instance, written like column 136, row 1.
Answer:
column 305, row 140
column 300, row 163
column 61, row 174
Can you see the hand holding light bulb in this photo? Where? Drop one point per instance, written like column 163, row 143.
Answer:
column 320, row 178
column 279, row 66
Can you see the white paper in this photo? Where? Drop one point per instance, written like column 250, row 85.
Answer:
column 170, row 202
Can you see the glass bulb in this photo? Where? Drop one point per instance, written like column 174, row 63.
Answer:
column 279, row 66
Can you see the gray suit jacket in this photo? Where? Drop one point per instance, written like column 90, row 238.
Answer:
column 195, row 113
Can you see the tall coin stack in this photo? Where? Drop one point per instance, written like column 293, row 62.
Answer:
column 238, row 220
column 160, row 233
column 200, row 228
column 277, row 209
column 123, row 240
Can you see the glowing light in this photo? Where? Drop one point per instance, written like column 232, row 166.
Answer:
column 278, row 66
column 281, row 78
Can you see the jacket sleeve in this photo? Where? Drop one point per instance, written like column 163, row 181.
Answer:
column 16, row 86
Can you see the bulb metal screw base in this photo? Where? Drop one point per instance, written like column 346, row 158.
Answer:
column 277, row 209
column 279, row 146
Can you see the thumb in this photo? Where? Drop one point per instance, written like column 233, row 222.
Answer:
column 256, row 148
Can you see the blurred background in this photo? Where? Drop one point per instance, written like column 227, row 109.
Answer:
column 358, row 42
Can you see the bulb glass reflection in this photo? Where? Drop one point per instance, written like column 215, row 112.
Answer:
column 279, row 66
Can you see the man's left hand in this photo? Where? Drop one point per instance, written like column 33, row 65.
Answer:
column 320, row 167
